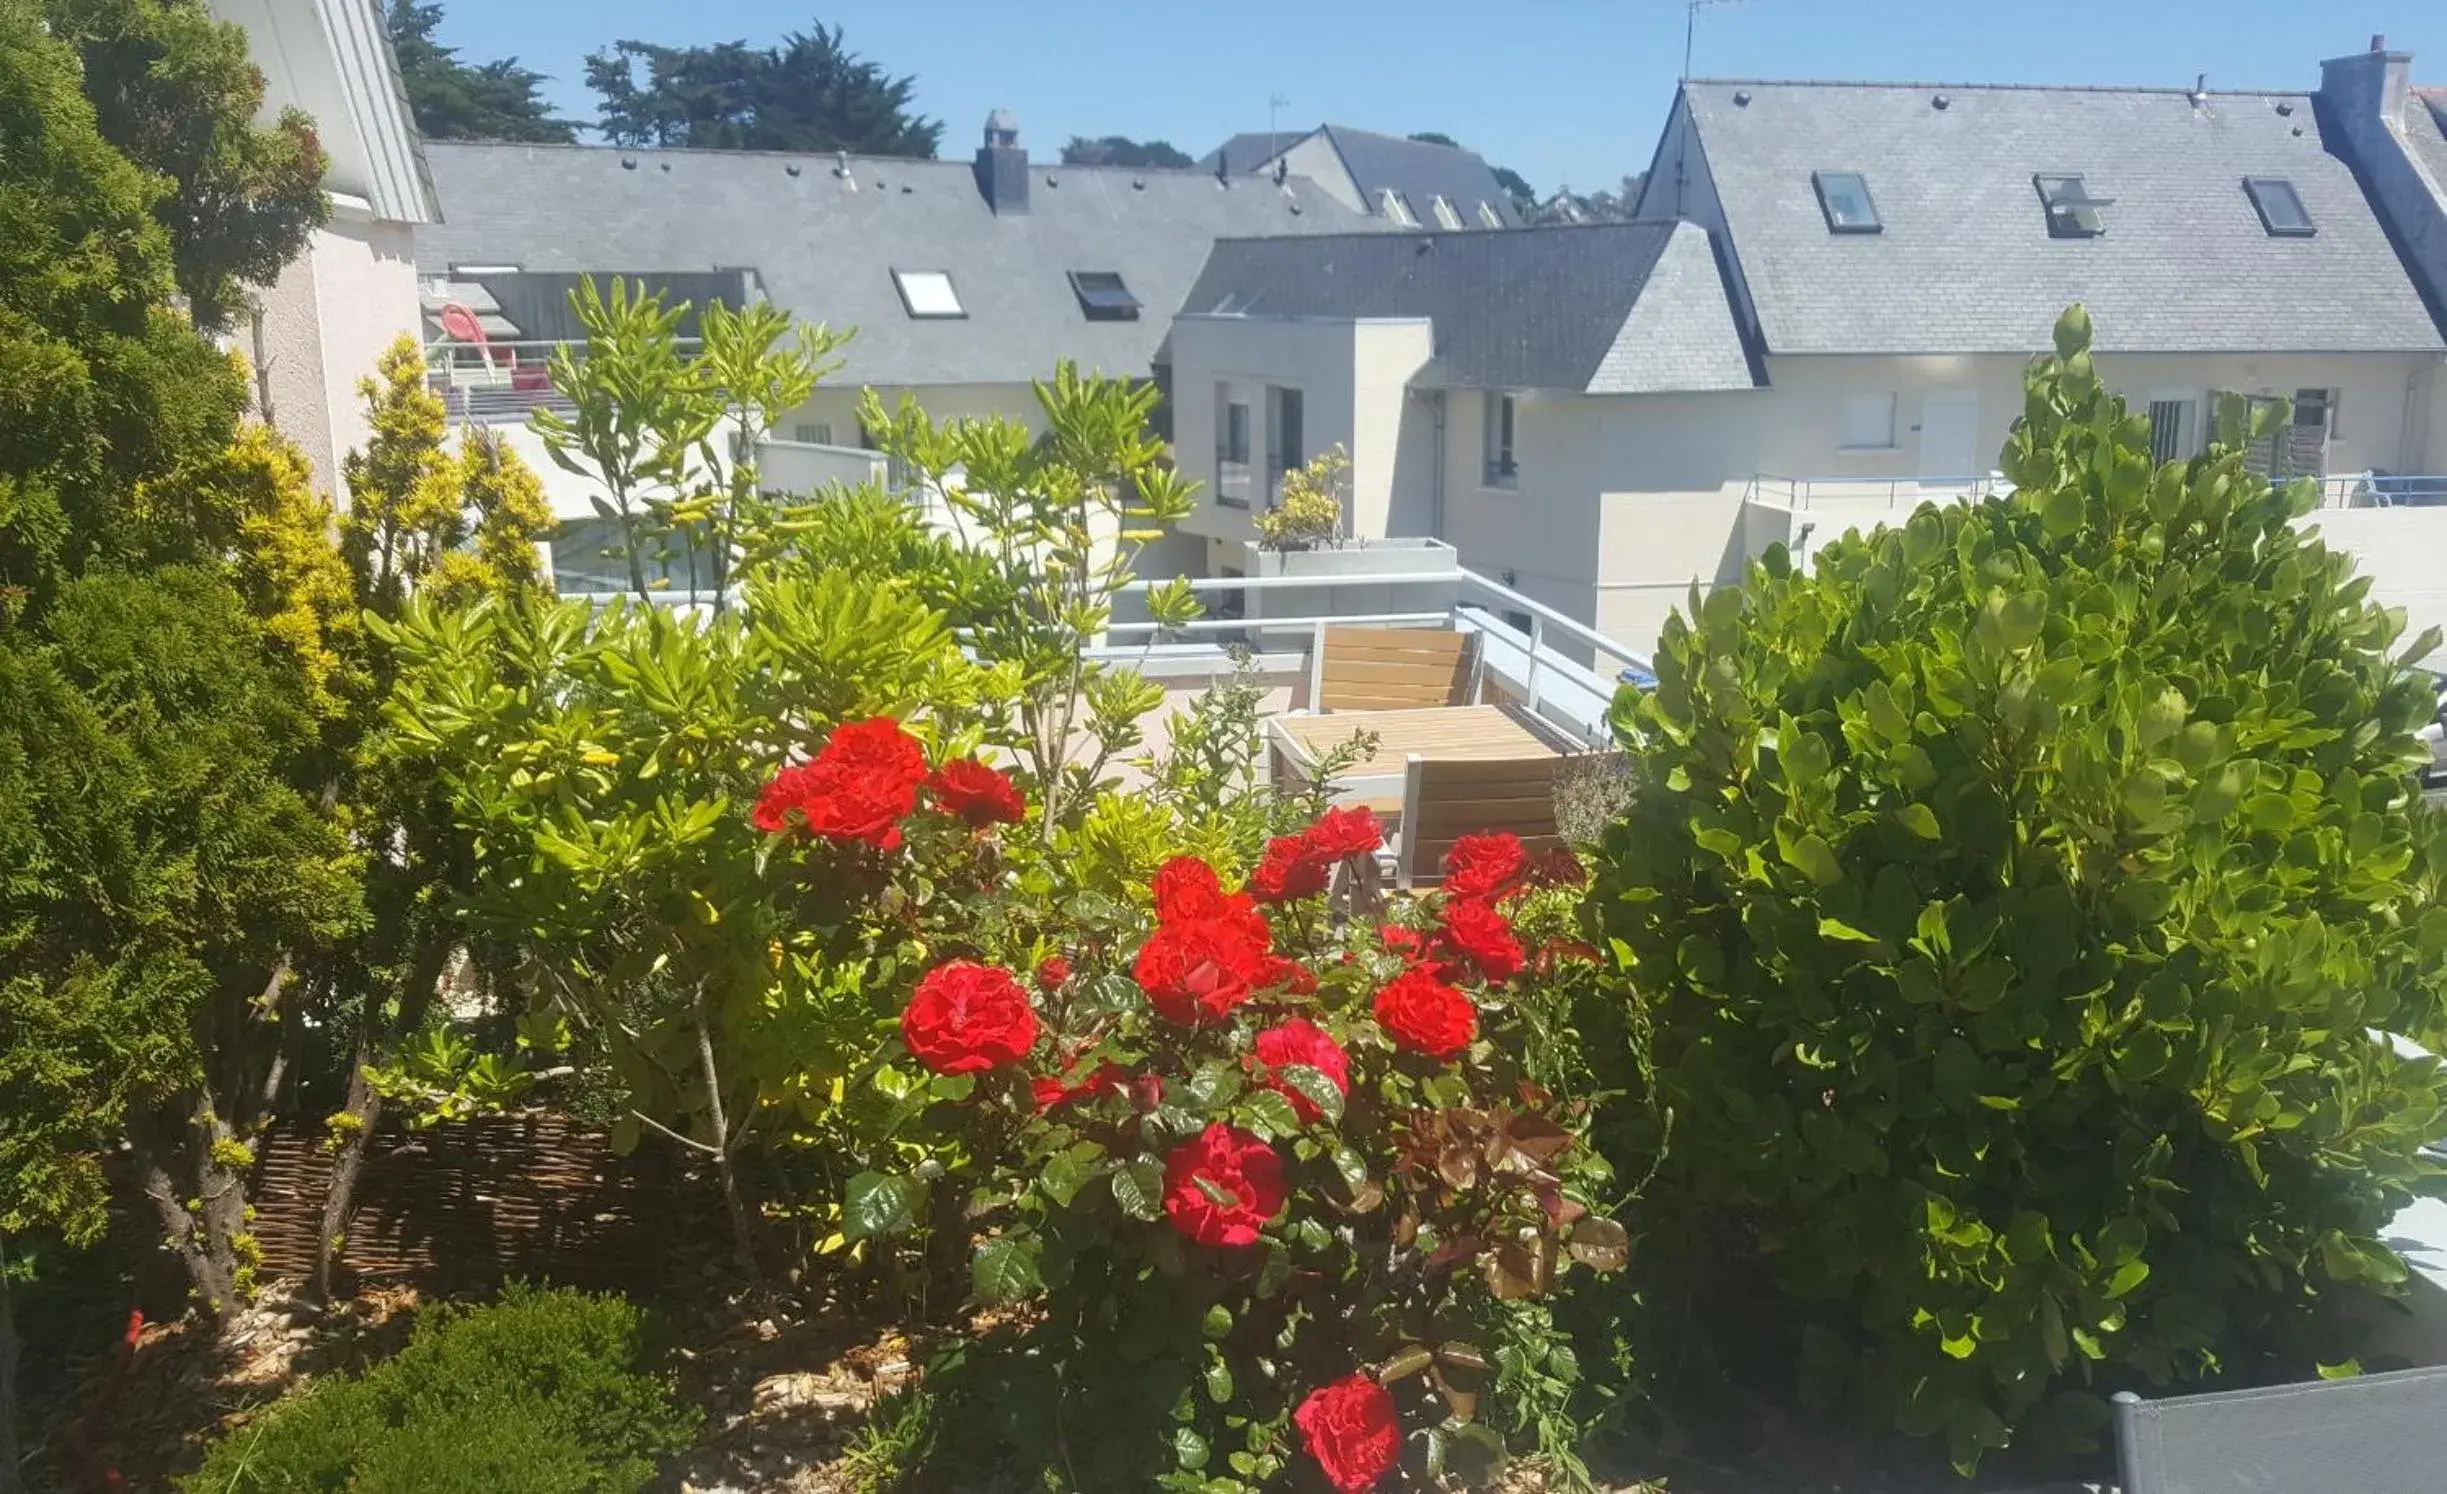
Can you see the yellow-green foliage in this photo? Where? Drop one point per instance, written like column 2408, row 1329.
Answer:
column 1310, row 511
column 414, row 507
column 288, row 571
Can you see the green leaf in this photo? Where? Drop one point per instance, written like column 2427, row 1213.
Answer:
column 879, row 1204
column 1139, row 1188
column 1270, row 1115
column 1956, row 1074
column 1811, row 855
column 2060, row 512
column 1836, row 928
column 1314, row 1087
column 2127, row 1276
column 1352, row 1166
column 1068, row 1170
column 1005, row 1270
column 1214, row 1084
column 1189, row 1450
column 1218, row 1380
column 1920, row 819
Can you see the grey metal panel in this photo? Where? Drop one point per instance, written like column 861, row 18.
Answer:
column 826, row 253
column 2375, row 1434
column 1964, row 262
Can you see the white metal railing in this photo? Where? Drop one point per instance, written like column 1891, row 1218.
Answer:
column 1523, row 642
column 1801, row 493
column 2383, row 490
column 499, row 382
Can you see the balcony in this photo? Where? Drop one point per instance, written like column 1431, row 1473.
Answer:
column 500, row 383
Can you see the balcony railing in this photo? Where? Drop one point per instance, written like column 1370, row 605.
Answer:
column 499, row 382
column 2383, row 490
column 1801, row 494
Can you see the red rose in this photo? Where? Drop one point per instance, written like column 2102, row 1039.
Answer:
column 968, row 1017
column 1425, row 1015
column 1104, row 1079
column 1350, row 1429
column 1289, row 869
column 1047, row 1092
column 1246, row 1179
column 1484, row 866
column 1053, row 973
column 1300, row 1041
column 857, row 788
column 1478, row 933
column 978, row 794
column 1198, row 969
column 1341, row 834
column 1187, row 888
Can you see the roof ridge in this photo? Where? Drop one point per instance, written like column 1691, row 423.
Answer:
column 1446, row 233
column 2175, row 90
column 728, row 153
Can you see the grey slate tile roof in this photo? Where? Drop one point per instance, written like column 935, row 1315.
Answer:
column 1417, row 169
column 1965, row 263
column 1601, row 308
column 827, row 254
column 2426, row 132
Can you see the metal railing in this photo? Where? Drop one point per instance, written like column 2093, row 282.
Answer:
column 1800, row 494
column 2383, row 490
column 499, row 382
column 1530, row 660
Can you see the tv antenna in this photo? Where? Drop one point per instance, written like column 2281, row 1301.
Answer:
column 1690, row 28
column 1275, row 104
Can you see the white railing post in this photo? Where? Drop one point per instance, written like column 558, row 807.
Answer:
column 1316, row 667
column 1537, row 640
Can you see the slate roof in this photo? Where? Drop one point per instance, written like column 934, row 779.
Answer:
column 1965, row 263
column 2426, row 132
column 1601, row 308
column 1417, row 169
column 826, row 253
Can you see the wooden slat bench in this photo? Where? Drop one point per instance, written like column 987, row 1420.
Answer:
column 1391, row 669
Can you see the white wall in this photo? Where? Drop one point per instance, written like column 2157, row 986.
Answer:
column 1352, row 378
column 319, row 329
column 836, row 405
column 1318, row 160
column 1390, row 454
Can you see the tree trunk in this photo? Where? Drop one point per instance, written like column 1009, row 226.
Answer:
column 375, row 1040
column 734, row 1197
column 11, row 1482
column 201, row 1238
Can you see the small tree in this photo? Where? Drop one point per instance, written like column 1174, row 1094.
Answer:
column 1310, row 511
column 2015, row 899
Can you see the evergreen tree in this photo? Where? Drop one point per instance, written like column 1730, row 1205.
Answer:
column 1121, row 150
column 808, row 93
column 455, row 100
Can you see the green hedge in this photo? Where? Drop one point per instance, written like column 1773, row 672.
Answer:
column 540, row 1392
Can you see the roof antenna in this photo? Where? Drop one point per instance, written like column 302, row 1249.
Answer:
column 1275, row 103
column 1690, row 28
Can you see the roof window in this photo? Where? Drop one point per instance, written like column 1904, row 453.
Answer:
column 2280, row 207
column 1103, row 296
column 2072, row 212
column 1488, row 215
column 1397, row 208
column 928, row 294
column 1844, row 197
column 1446, row 218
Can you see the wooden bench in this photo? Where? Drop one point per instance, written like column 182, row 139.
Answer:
column 1392, row 669
column 1448, row 798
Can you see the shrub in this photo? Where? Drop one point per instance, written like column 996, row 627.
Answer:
column 539, row 1392
column 1310, row 510
column 2014, row 900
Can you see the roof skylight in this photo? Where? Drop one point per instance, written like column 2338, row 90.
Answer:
column 928, row 294
column 1103, row 296
column 2280, row 207
column 1446, row 218
column 1397, row 208
column 2072, row 212
column 1844, row 197
column 1488, row 215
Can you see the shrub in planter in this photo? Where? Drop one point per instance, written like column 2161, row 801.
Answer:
column 1255, row 1188
column 2015, row 900
column 539, row 1392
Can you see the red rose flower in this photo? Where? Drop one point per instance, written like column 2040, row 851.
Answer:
column 1053, row 973
column 968, row 1017
column 1479, row 934
column 1300, row 1041
column 1047, row 1091
column 1197, row 970
column 1289, row 869
column 1341, row 834
column 978, row 794
column 1104, row 1079
column 1221, row 1187
column 1484, row 866
column 1425, row 1015
column 1350, row 1429
column 1187, row 888
column 859, row 787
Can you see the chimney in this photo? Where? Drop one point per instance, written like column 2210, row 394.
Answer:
column 1002, row 166
column 2367, row 87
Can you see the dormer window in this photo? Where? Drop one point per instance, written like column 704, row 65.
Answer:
column 1489, row 216
column 2072, row 212
column 1103, row 296
column 1446, row 218
column 928, row 294
column 1397, row 208
column 2280, row 207
column 1844, row 197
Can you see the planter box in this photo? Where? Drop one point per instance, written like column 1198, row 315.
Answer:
column 1372, row 558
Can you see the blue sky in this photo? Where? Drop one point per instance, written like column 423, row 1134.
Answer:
column 1569, row 91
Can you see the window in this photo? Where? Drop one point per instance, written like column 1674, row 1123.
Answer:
column 1286, row 436
column 1869, row 422
column 2316, row 410
column 2174, row 430
column 928, row 293
column 813, row 433
column 1844, row 197
column 1501, row 470
column 1103, row 296
column 1489, row 216
column 2280, row 207
column 1397, row 208
column 1231, row 449
column 2072, row 212
column 1446, row 218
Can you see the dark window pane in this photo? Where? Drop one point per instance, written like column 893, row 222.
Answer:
column 1844, row 197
